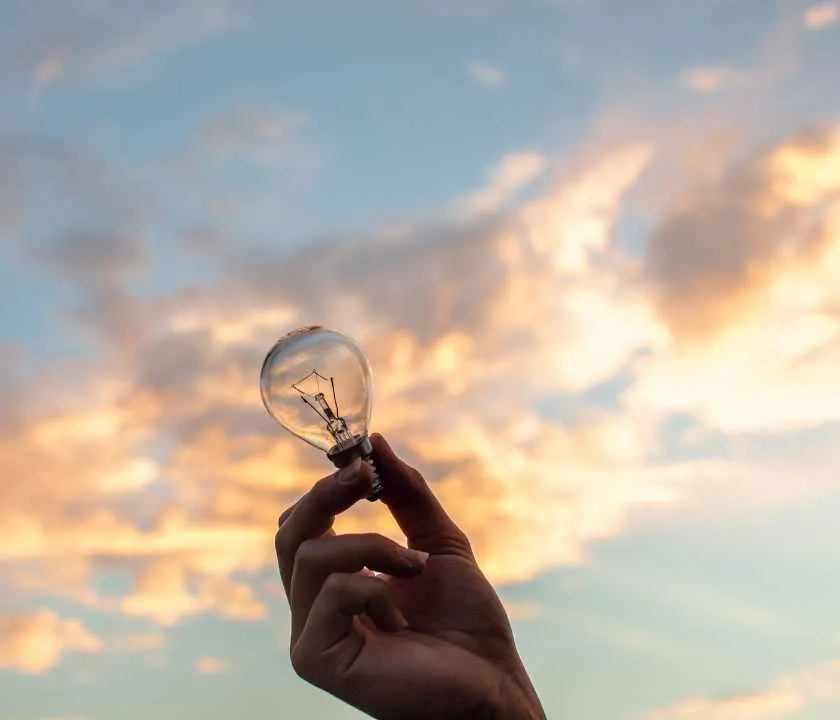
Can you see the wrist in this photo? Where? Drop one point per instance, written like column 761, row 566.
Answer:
column 518, row 700
column 520, row 709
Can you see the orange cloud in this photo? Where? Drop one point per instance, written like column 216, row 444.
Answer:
column 749, row 707
column 823, row 15
column 522, row 611
column 746, row 276
column 161, row 462
column 712, row 79
column 787, row 696
column 37, row 642
column 211, row 666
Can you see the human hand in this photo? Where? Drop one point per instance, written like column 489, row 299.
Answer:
column 428, row 639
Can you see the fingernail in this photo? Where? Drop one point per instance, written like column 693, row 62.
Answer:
column 415, row 557
column 350, row 473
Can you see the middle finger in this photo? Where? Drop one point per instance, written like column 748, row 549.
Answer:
column 319, row 558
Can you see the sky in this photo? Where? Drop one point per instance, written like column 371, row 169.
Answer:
column 592, row 251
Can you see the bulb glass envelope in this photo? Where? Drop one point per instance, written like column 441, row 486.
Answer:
column 317, row 384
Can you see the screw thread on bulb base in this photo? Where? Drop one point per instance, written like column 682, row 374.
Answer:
column 361, row 449
column 376, row 484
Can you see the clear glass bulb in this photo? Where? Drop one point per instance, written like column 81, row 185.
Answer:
column 317, row 383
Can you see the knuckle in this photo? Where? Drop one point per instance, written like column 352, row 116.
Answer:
column 308, row 553
column 301, row 662
column 414, row 475
column 321, row 491
column 459, row 538
column 371, row 547
column 335, row 584
column 283, row 542
column 372, row 539
column 459, row 535
column 378, row 593
column 285, row 516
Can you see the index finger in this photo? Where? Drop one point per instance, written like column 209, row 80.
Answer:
column 414, row 506
column 314, row 513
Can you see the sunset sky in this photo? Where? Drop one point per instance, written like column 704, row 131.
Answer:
column 592, row 249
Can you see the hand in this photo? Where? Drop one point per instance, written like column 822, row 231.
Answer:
column 426, row 640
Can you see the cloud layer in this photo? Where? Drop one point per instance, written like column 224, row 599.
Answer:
column 524, row 360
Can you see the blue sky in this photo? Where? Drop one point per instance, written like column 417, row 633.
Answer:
column 592, row 249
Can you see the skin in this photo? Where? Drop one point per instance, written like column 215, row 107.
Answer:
column 428, row 638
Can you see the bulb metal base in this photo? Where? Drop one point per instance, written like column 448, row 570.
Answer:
column 341, row 456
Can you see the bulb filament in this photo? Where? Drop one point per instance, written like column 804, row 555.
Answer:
column 335, row 424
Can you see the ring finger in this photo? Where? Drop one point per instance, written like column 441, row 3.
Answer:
column 317, row 559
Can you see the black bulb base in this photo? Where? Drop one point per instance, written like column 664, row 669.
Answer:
column 342, row 456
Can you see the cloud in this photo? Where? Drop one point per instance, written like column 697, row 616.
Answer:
column 823, row 15
column 211, row 666
column 491, row 337
column 162, row 593
column 748, row 707
column 261, row 135
column 712, row 79
column 522, row 611
column 745, row 274
column 486, row 75
column 266, row 147
column 36, row 642
column 137, row 642
column 161, row 462
column 785, row 698
column 86, row 45
column 512, row 174
column 78, row 184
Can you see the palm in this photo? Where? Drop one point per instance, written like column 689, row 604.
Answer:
column 442, row 666
column 453, row 602
column 448, row 663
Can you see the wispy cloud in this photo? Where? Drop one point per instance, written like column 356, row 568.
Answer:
column 258, row 134
column 712, row 79
column 523, row 611
column 785, row 698
column 137, row 642
column 487, row 75
column 211, row 666
column 512, row 174
column 57, row 43
column 824, row 15
column 269, row 147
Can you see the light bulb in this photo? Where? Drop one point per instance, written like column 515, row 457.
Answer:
column 317, row 384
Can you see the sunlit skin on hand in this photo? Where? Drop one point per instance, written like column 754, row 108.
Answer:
column 428, row 639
